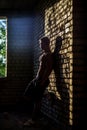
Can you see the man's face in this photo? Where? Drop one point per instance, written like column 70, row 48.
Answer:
column 41, row 44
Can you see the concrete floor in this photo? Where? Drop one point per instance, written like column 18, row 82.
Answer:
column 14, row 121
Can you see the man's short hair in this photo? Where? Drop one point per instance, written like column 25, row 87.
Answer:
column 45, row 39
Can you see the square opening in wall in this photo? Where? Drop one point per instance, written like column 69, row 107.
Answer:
column 3, row 47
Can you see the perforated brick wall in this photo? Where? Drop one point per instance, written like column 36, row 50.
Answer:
column 56, row 20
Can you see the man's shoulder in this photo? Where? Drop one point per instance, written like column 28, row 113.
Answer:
column 46, row 56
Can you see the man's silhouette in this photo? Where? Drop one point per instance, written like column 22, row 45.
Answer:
column 37, row 86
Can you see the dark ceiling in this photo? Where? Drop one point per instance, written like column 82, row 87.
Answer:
column 23, row 6
column 19, row 4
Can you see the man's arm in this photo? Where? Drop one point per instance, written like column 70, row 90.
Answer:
column 45, row 69
column 41, row 68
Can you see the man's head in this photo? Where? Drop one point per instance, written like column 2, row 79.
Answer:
column 44, row 43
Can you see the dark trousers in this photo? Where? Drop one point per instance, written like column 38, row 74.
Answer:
column 34, row 92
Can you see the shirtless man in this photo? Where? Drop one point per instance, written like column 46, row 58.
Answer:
column 42, row 77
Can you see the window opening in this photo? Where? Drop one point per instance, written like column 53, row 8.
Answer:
column 3, row 47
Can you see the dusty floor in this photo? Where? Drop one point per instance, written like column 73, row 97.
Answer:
column 15, row 121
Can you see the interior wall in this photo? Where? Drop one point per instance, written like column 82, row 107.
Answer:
column 19, row 57
column 79, row 64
